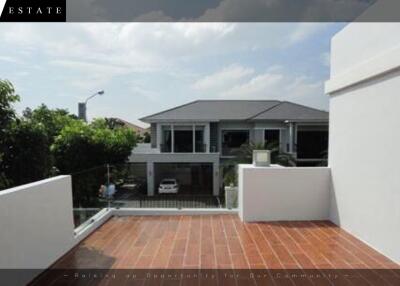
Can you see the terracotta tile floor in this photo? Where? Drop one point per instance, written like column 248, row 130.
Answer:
column 220, row 241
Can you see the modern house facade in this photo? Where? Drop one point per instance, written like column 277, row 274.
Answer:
column 191, row 142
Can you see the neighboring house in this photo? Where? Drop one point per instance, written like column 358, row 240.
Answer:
column 138, row 130
column 190, row 142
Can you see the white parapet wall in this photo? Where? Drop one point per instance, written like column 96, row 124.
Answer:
column 277, row 193
column 37, row 227
column 365, row 134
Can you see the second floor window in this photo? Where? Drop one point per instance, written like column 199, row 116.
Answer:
column 271, row 137
column 232, row 140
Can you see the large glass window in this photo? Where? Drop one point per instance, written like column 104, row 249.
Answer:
column 312, row 144
column 271, row 137
column 199, row 139
column 232, row 140
column 183, row 139
column 166, row 145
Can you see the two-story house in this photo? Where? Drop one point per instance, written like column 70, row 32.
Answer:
column 190, row 142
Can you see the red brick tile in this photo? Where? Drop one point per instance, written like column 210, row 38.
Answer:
column 222, row 241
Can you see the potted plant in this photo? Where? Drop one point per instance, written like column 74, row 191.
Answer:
column 231, row 189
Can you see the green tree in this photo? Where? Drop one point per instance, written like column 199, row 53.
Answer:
column 52, row 120
column 27, row 157
column 82, row 146
column 7, row 115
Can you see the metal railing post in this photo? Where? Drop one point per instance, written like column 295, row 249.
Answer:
column 108, row 186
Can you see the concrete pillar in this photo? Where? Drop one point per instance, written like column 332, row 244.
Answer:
column 291, row 137
column 206, row 139
column 194, row 138
column 150, row 178
column 216, row 177
column 159, row 140
column 172, row 139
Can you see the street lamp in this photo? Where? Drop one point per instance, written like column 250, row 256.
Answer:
column 82, row 105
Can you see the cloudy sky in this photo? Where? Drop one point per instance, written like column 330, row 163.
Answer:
column 145, row 67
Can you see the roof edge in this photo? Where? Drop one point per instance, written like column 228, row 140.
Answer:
column 167, row 110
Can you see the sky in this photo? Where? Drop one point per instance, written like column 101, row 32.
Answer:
column 145, row 68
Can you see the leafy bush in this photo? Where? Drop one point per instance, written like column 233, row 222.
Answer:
column 44, row 141
column 52, row 120
column 82, row 146
column 7, row 116
column 230, row 176
column 26, row 158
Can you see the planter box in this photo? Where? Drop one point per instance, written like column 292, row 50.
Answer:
column 231, row 197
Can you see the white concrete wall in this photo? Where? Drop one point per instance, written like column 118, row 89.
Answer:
column 278, row 193
column 36, row 225
column 365, row 134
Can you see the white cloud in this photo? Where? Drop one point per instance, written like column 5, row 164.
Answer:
column 161, row 63
column 284, row 10
column 326, row 59
column 9, row 59
column 274, row 83
column 257, row 87
column 305, row 30
column 223, row 78
column 88, row 75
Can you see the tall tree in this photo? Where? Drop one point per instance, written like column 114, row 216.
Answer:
column 7, row 115
column 27, row 156
column 52, row 120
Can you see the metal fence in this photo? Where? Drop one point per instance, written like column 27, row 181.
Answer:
column 177, row 201
column 124, row 186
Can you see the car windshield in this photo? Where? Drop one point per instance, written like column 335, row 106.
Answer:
column 168, row 182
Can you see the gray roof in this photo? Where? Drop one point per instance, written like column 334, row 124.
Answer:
column 217, row 110
column 292, row 112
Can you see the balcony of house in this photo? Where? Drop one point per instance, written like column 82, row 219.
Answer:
column 284, row 227
column 184, row 138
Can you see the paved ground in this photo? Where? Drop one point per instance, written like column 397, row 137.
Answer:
column 224, row 242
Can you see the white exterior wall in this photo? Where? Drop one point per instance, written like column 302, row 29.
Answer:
column 278, row 193
column 37, row 227
column 36, row 224
column 365, row 134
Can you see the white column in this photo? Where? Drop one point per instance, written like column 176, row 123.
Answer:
column 150, row 178
column 291, row 136
column 194, row 137
column 159, row 136
column 216, row 178
column 206, row 139
column 172, row 138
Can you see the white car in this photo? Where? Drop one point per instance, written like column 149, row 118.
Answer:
column 168, row 186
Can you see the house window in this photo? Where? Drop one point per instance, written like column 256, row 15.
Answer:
column 232, row 140
column 312, row 144
column 200, row 147
column 183, row 139
column 272, row 137
column 166, row 145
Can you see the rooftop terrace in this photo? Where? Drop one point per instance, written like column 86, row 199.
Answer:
column 224, row 242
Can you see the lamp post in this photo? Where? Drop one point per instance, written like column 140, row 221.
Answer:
column 82, row 105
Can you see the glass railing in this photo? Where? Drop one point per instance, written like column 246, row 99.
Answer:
column 87, row 186
column 125, row 186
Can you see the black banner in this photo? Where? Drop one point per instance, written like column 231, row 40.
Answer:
column 200, row 11
column 204, row 276
column 34, row 11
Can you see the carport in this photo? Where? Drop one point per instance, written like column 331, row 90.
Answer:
column 197, row 173
column 193, row 178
